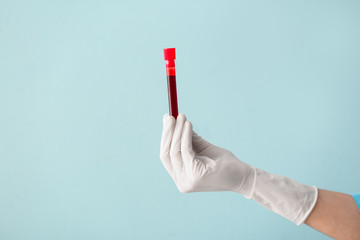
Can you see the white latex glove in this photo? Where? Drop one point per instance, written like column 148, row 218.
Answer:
column 197, row 166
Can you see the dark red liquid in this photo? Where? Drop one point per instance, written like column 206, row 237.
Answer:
column 173, row 104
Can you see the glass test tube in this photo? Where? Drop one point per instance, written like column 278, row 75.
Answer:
column 169, row 54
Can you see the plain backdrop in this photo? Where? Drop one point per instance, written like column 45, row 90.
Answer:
column 83, row 91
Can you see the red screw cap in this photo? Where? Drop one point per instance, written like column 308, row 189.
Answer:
column 169, row 53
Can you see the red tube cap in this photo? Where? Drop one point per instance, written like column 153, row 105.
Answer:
column 169, row 53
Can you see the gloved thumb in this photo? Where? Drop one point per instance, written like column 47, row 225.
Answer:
column 199, row 144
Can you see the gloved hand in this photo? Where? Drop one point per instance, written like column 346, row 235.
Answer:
column 197, row 166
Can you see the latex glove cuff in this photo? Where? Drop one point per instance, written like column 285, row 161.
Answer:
column 282, row 195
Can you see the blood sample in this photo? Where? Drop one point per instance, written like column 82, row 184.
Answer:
column 169, row 54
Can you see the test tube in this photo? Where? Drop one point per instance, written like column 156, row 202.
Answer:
column 169, row 55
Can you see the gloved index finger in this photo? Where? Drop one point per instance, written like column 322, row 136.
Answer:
column 166, row 138
column 175, row 149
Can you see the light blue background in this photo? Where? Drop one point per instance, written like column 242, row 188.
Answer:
column 83, row 92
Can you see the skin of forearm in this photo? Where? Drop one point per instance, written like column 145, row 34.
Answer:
column 336, row 215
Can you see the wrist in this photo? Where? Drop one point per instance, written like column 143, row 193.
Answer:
column 247, row 184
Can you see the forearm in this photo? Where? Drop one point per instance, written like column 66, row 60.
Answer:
column 199, row 166
column 336, row 215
